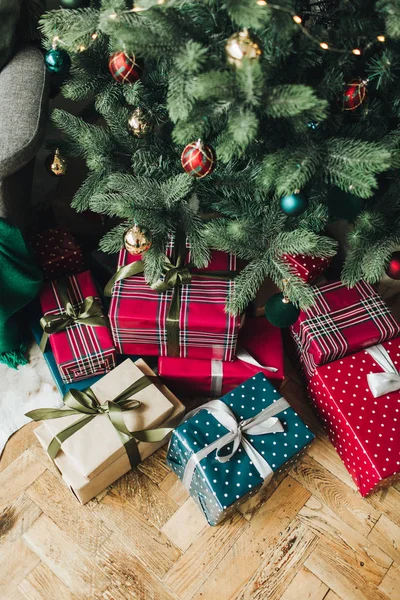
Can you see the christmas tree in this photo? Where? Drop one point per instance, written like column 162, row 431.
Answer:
column 247, row 125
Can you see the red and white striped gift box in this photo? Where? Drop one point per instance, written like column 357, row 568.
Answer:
column 138, row 314
column 342, row 321
column 80, row 351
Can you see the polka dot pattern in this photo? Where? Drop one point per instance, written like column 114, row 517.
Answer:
column 58, row 253
column 364, row 430
column 218, row 487
column 307, row 267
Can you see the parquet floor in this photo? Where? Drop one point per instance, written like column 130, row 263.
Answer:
column 311, row 536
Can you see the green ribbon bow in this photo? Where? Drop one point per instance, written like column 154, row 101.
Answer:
column 174, row 277
column 85, row 403
column 89, row 313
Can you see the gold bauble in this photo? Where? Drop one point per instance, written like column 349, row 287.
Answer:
column 239, row 46
column 136, row 241
column 56, row 164
column 138, row 124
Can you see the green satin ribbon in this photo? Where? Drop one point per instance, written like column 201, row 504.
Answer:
column 89, row 313
column 85, row 403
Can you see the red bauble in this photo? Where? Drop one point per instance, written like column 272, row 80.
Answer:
column 393, row 268
column 198, row 159
column 124, row 67
column 353, row 95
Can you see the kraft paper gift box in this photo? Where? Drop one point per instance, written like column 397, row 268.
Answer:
column 58, row 253
column 342, row 321
column 94, row 456
column 358, row 400
column 227, row 449
column 259, row 345
column 140, row 316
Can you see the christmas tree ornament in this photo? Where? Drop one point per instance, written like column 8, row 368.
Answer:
column 294, row 204
column 353, row 94
column 57, row 61
column 240, row 46
column 280, row 311
column 393, row 268
column 138, row 124
column 344, row 205
column 124, row 67
column 56, row 164
column 73, row 4
column 198, row 159
column 137, row 240
column 313, row 125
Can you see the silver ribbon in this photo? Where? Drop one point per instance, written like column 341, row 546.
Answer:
column 217, row 370
column 386, row 382
column 263, row 423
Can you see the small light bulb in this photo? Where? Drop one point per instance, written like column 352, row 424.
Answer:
column 160, row 1
column 113, row 15
column 324, row 45
column 356, row 51
column 297, row 19
column 94, row 36
column 261, row 2
column 81, row 48
column 381, row 38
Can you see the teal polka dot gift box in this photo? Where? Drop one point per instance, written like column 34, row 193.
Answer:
column 226, row 449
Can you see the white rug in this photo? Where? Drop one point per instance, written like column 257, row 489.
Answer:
column 31, row 386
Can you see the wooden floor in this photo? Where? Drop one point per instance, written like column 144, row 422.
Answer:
column 311, row 536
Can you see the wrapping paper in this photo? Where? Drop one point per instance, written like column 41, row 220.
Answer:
column 58, row 253
column 307, row 267
column 116, row 462
column 219, row 487
column 80, row 351
column 209, row 378
column 364, row 430
column 138, row 314
column 341, row 322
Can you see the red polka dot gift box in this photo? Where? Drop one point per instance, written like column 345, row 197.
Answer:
column 58, row 253
column 307, row 268
column 358, row 399
column 341, row 321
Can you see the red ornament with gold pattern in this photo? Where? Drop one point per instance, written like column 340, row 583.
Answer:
column 198, row 159
column 353, row 95
column 124, row 67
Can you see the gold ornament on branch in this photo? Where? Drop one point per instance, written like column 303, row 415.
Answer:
column 136, row 241
column 138, row 124
column 56, row 164
column 241, row 45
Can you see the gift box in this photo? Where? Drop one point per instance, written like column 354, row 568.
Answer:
column 95, row 455
column 58, row 253
column 259, row 349
column 341, row 321
column 357, row 398
column 227, row 449
column 79, row 335
column 143, row 322
column 307, row 268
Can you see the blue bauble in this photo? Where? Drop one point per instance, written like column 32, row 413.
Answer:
column 294, row 204
column 57, row 61
column 281, row 313
column 313, row 125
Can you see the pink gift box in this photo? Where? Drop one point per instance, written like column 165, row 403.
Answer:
column 138, row 314
column 259, row 339
column 80, row 351
column 364, row 430
column 307, row 268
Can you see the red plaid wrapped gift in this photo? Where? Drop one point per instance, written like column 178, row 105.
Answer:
column 259, row 349
column 342, row 321
column 358, row 399
column 80, row 349
column 58, row 253
column 140, row 316
column 307, row 267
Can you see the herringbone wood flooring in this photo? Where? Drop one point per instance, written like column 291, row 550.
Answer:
column 310, row 536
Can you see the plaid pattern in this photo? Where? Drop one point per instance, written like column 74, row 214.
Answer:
column 198, row 160
column 80, row 351
column 124, row 68
column 342, row 321
column 138, row 314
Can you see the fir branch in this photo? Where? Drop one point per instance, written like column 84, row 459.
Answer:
column 290, row 100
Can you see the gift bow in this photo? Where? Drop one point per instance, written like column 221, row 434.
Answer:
column 217, row 369
column 263, row 423
column 89, row 313
column 389, row 380
column 85, row 403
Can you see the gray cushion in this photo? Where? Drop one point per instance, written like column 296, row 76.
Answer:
column 23, row 109
column 9, row 15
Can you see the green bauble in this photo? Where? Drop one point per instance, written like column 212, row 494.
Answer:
column 281, row 313
column 344, row 205
column 294, row 204
column 74, row 3
column 57, row 61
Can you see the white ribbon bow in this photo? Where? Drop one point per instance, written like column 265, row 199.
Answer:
column 263, row 423
column 386, row 382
